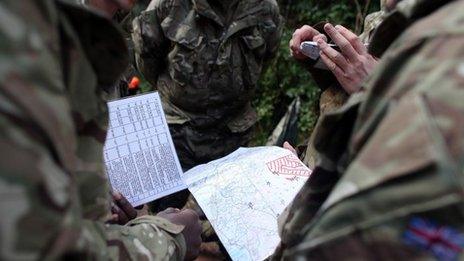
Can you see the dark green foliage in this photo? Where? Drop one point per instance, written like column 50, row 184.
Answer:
column 285, row 79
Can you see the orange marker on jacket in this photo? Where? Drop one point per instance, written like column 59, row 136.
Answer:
column 134, row 83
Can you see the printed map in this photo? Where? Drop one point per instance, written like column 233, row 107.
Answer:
column 243, row 194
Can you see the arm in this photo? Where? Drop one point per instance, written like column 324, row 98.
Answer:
column 150, row 44
column 41, row 213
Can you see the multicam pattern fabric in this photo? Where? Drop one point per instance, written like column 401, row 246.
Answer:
column 393, row 152
column 54, row 58
column 206, row 64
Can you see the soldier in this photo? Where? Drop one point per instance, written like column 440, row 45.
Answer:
column 388, row 184
column 57, row 60
column 205, row 58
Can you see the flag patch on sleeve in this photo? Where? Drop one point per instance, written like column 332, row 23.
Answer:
column 443, row 242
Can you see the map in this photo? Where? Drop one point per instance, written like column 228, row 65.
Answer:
column 244, row 193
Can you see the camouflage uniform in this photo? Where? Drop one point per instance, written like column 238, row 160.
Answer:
column 206, row 66
column 389, row 179
column 53, row 119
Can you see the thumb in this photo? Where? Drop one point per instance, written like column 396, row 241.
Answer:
column 289, row 147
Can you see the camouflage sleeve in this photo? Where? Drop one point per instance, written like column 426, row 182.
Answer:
column 41, row 212
column 150, row 44
column 401, row 196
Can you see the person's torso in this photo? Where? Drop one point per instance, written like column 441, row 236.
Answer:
column 215, row 61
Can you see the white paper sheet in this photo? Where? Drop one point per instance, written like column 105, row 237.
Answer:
column 243, row 194
column 140, row 157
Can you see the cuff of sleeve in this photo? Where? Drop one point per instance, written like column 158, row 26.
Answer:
column 162, row 224
column 159, row 222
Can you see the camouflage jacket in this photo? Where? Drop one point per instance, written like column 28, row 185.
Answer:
column 389, row 179
column 53, row 119
column 206, row 66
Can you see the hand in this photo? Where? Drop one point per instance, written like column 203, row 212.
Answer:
column 305, row 33
column 122, row 211
column 192, row 230
column 290, row 148
column 352, row 66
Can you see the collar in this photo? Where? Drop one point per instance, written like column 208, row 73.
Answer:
column 202, row 7
column 405, row 13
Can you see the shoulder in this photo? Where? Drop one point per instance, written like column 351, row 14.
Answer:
column 164, row 8
column 271, row 5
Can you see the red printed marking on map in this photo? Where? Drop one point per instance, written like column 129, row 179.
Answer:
column 289, row 166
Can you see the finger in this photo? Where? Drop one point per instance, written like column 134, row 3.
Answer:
column 345, row 81
column 293, row 42
column 289, row 147
column 359, row 47
column 124, row 205
column 290, row 44
column 171, row 210
column 334, row 55
column 320, row 37
column 170, row 214
column 344, row 45
column 113, row 219
column 122, row 218
column 293, row 52
column 305, row 33
column 331, row 65
column 189, row 214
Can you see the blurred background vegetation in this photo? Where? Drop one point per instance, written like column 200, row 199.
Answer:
column 284, row 79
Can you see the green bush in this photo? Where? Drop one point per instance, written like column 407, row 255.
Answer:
column 284, row 79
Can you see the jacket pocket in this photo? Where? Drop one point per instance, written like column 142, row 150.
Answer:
column 185, row 61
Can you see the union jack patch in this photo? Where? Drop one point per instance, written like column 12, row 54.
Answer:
column 444, row 242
